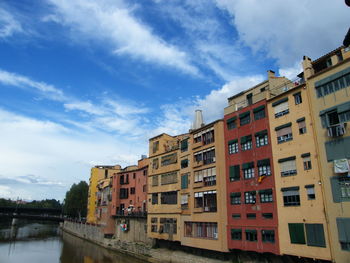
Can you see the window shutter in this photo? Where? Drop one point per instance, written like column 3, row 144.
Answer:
column 335, row 189
column 296, row 233
column 315, row 235
column 184, row 181
column 234, row 172
column 184, row 145
column 281, row 107
column 283, row 131
column 343, row 225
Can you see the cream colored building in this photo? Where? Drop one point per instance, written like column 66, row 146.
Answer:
column 302, row 224
column 328, row 87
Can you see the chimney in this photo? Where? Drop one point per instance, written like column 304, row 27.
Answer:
column 270, row 74
column 307, row 67
column 198, row 120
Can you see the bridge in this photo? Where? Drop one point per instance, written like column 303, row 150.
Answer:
column 35, row 213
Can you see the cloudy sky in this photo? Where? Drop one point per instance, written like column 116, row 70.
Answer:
column 87, row 82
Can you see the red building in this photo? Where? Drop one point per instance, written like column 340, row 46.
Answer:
column 129, row 190
column 251, row 194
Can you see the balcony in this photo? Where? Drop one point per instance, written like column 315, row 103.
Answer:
column 336, row 130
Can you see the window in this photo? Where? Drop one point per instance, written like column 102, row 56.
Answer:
column 281, row 107
column 248, row 170
column 244, row 118
column 284, row 133
column 106, row 173
column 259, row 112
column 246, row 142
column 315, row 235
column 124, row 193
column 184, row 201
column 251, row 235
column 168, row 225
column 209, row 176
column 343, row 225
column 268, row 236
column 334, row 116
column 265, row 196
column 236, row 216
column 267, row 215
column 208, row 136
column 168, row 178
column 235, row 198
column 296, row 233
column 169, row 159
column 233, row 146
column 184, row 145
column 133, row 175
column 251, row 216
column 236, row 234
column 301, row 125
column 207, row 156
column 132, row 190
column 249, row 197
column 310, row 190
column 207, row 200
column 154, row 198
column 231, row 123
column 340, row 188
column 144, row 188
column 155, row 146
column 333, row 83
column 297, row 98
column 198, row 176
column 197, row 137
column 234, row 173
column 264, row 168
column 155, row 163
column 306, row 161
column 184, row 163
column 155, row 180
column 154, row 227
column 291, row 196
column 168, row 198
column 288, row 166
column 249, row 98
column 261, row 138
column 201, row 230
column 184, row 181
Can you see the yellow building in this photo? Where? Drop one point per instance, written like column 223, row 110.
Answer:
column 328, row 87
column 203, row 188
column 98, row 174
column 302, row 223
column 164, row 206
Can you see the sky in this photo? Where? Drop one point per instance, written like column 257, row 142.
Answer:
column 85, row 83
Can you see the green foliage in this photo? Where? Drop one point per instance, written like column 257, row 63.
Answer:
column 47, row 203
column 75, row 202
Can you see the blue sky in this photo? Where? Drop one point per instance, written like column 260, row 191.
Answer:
column 88, row 82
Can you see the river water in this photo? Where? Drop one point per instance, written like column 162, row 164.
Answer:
column 42, row 242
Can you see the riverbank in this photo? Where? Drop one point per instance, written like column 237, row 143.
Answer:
column 148, row 253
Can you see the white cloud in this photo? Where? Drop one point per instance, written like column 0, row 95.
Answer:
column 113, row 24
column 287, row 30
column 56, row 155
column 19, row 81
column 8, row 24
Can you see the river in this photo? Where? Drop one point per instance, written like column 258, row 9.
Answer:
column 43, row 242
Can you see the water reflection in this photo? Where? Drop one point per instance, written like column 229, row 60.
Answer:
column 40, row 242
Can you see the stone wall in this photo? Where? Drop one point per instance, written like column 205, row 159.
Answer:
column 136, row 232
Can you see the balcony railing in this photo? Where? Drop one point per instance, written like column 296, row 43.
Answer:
column 337, row 130
column 126, row 213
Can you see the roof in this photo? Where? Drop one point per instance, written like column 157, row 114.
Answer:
column 244, row 91
column 206, row 126
column 327, row 55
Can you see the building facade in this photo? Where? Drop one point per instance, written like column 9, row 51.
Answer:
column 328, row 87
column 250, row 179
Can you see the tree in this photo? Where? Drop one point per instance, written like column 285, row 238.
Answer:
column 75, row 202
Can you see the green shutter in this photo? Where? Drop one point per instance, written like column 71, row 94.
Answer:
column 332, row 77
column 263, row 162
column 262, row 107
column 234, row 172
column 261, row 133
column 244, row 114
column 237, row 194
column 184, row 145
column 248, row 165
column 231, row 119
column 232, row 141
column 283, row 126
column 279, row 101
column 244, row 139
column 301, row 119
column 305, row 155
column 184, row 181
column 335, row 189
column 286, row 159
column 315, row 235
column 343, row 225
column 338, row 149
column 296, row 233
column 266, row 191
